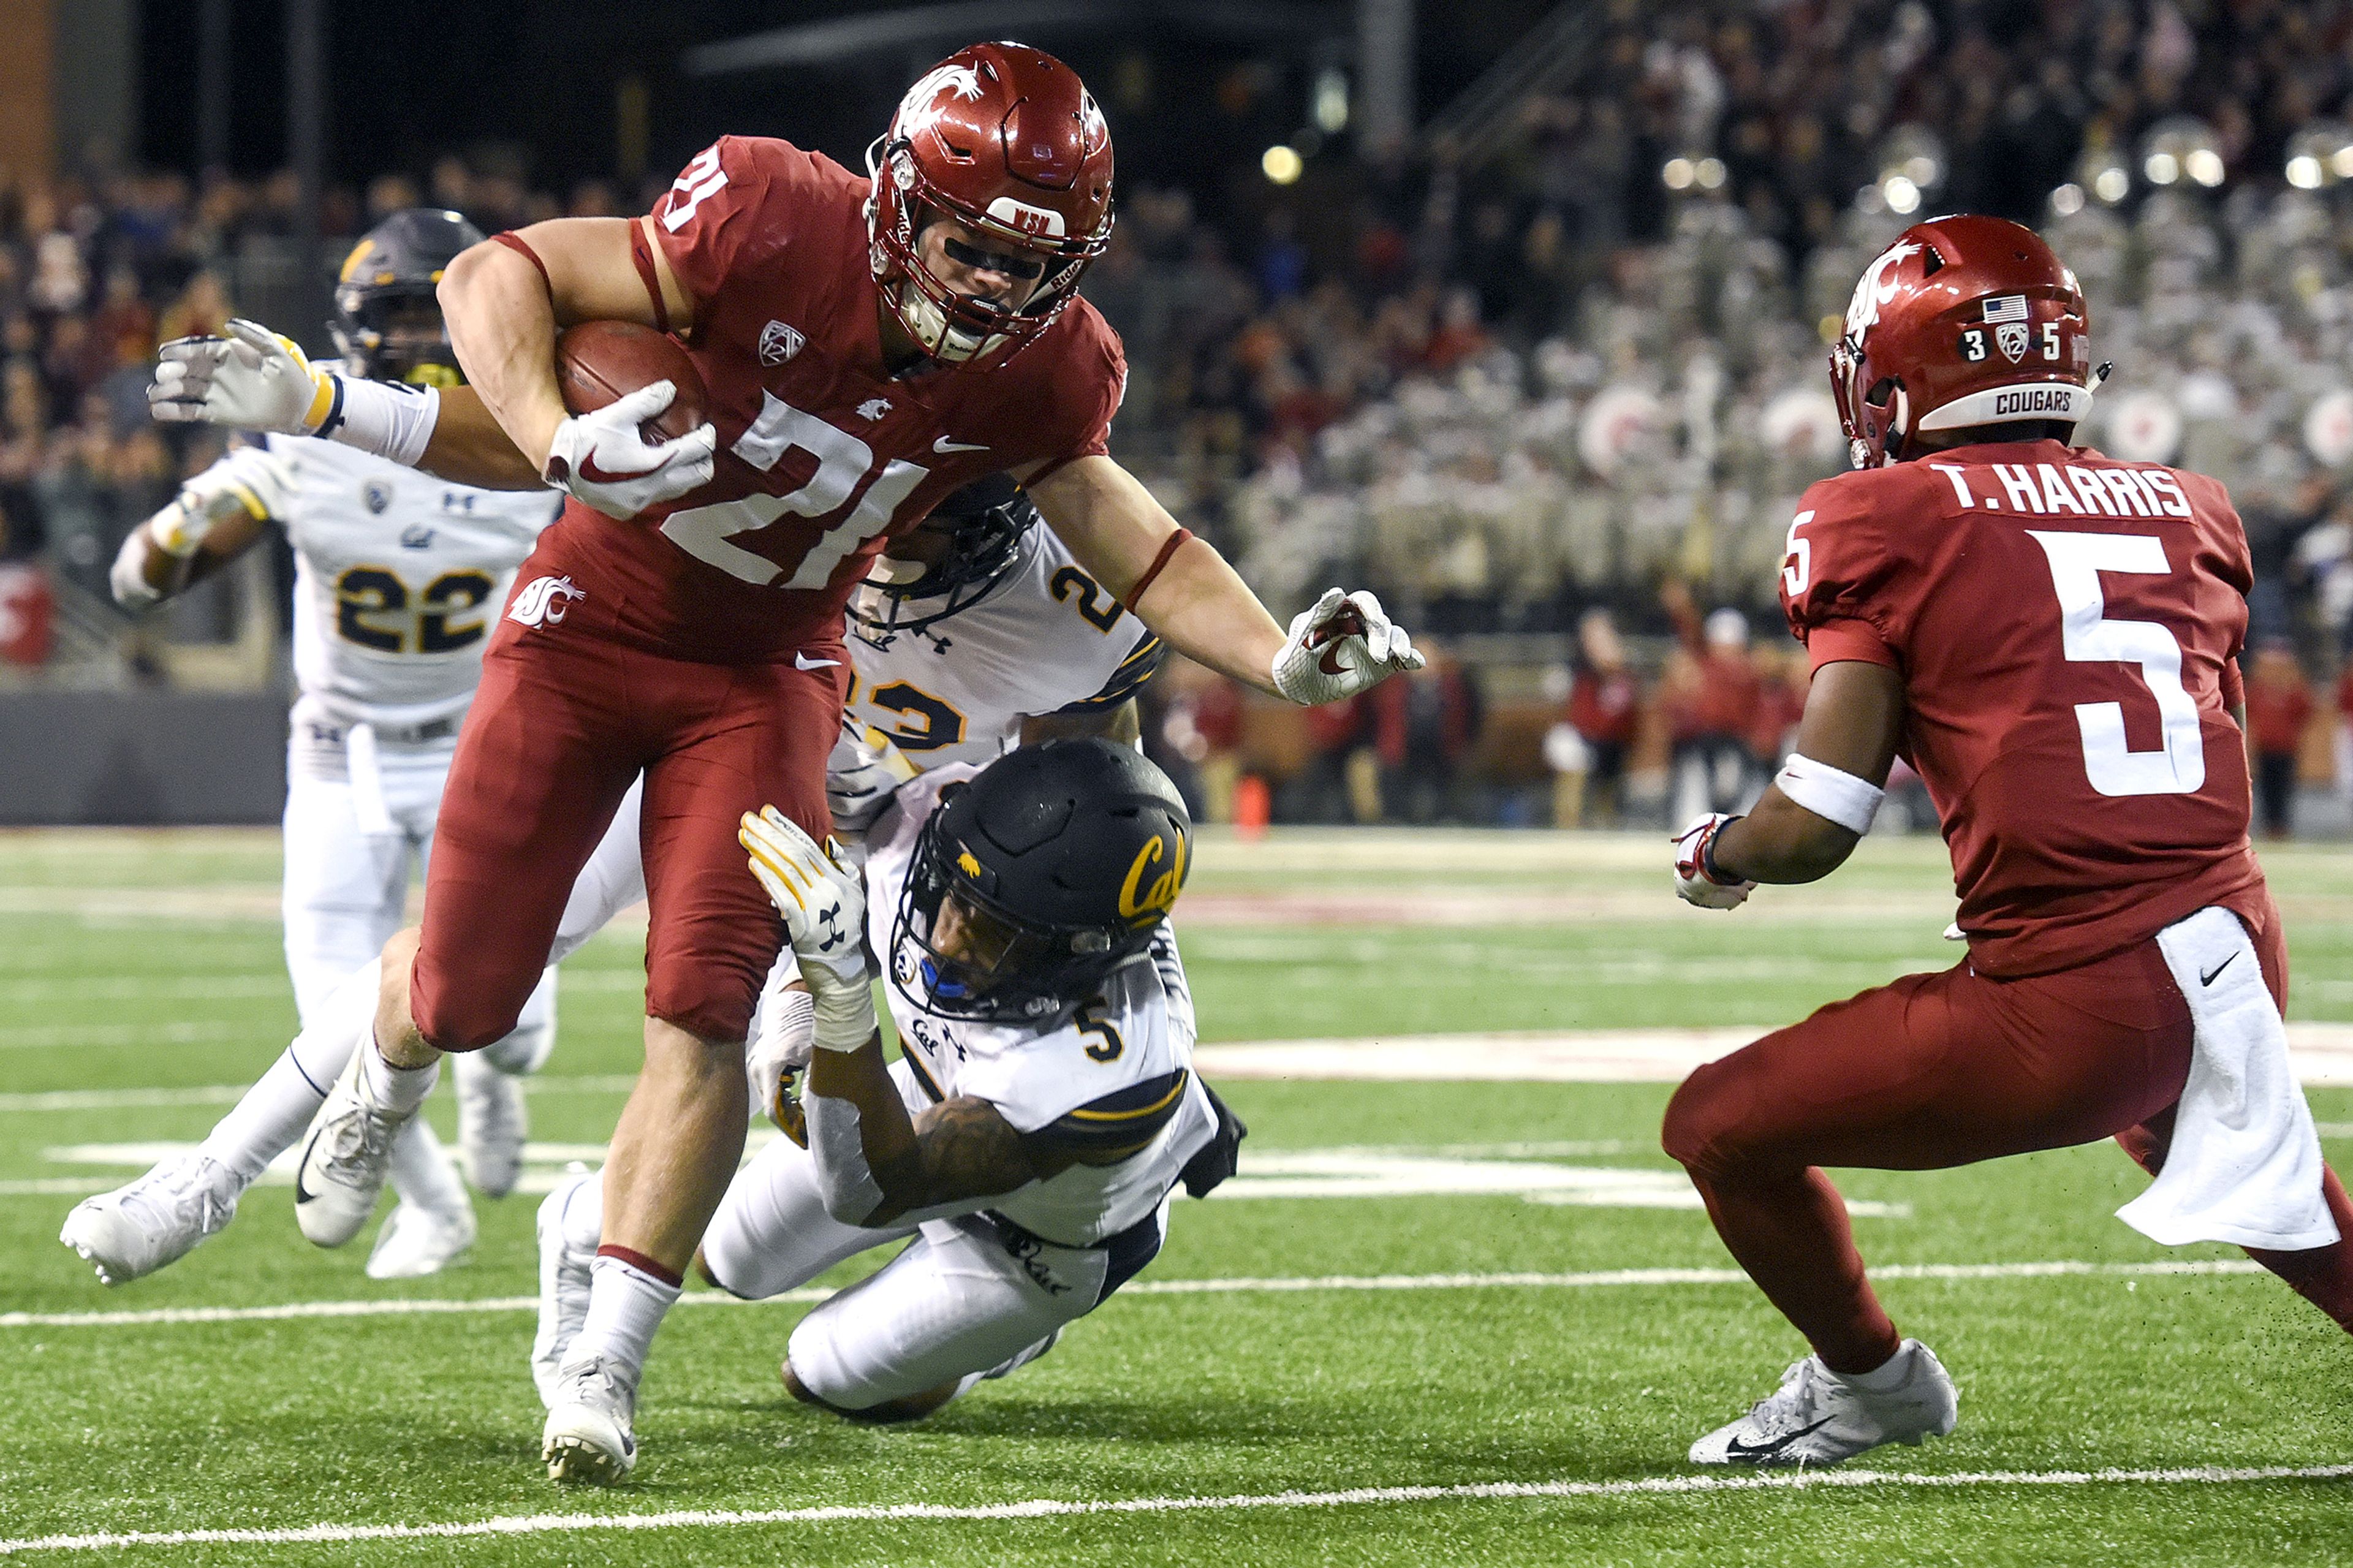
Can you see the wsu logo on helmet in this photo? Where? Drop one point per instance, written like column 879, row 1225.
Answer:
column 920, row 105
column 1875, row 289
column 544, row 601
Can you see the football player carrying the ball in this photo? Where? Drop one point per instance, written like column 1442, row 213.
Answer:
column 2051, row 639
column 868, row 345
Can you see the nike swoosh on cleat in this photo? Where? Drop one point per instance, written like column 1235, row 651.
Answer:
column 1734, row 1449
column 2207, row 977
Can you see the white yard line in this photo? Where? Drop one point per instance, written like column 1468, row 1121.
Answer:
column 229, row 1093
column 1051, row 1507
column 1237, row 1286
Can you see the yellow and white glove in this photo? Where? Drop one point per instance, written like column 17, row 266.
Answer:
column 251, row 482
column 1340, row 645
column 823, row 902
column 252, row 379
column 1698, row 881
column 864, row 770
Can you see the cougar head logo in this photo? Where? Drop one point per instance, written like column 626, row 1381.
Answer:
column 544, row 601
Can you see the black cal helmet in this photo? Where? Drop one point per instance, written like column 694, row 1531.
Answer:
column 985, row 523
column 1061, row 860
column 393, row 270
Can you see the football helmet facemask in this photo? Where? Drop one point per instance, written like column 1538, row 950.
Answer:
column 983, row 526
column 1005, row 140
column 388, row 323
column 1963, row 322
column 1036, row 879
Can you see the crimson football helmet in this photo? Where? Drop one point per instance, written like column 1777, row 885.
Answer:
column 1008, row 141
column 1963, row 321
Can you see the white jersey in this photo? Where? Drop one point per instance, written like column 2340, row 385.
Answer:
column 1048, row 639
column 397, row 583
column 1119, row 1068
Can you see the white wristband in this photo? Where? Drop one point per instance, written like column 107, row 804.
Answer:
column 390, row 419
column 1829, row 793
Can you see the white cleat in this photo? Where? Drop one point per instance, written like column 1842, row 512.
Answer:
column 156, row 1220
column 491, row 1125
column 587, row 1436
column 346, row 1157
column 418, row 1241
column 566, row 1264
column 1817, row 1417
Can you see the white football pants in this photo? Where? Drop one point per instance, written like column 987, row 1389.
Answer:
column 960, row 1302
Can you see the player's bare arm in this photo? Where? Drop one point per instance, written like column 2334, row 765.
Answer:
column 216, row 517
column 505, row 307
column 1853, row 719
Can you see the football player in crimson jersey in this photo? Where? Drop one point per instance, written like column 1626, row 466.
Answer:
column 868, row 345
column 2050, row 638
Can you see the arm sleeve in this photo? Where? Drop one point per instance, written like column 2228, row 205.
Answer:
column 1842, row 585
column 728, row 215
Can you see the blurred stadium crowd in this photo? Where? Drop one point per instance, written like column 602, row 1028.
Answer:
column 1553, row 397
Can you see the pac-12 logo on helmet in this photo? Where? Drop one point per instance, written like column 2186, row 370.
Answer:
column 1947, row 324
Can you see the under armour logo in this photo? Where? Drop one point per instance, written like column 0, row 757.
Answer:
column 544, row 601
column 779, row 342
column 874, row 408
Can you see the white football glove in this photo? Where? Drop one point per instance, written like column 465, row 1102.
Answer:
column 780, row 1051
column 250, row 380
column 824, row 905
column 864, row 770
column 250, row 482
column 1695, row 883
column 1340, row 645
column 604, row 460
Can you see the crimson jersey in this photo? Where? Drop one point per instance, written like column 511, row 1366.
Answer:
column 822, row 454
column 2067, row 629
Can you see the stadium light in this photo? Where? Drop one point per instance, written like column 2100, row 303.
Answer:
column 2111, row 184
column 1678, row 174
column 2320, row 155
column 1331, row 111
column 2305, row 172
column 1281, row 164
column 1903, row 195
column 2067, row 200
column 2162, row 168
column 2180, row 147
column 2205, row 166
column 1709, row 172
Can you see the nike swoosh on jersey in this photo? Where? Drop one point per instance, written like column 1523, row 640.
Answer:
column 1736, row 1449
column 943, row 445
column 803, row 661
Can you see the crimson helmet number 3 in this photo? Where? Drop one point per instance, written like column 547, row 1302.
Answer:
column 1006, row 141
column 1963, row 322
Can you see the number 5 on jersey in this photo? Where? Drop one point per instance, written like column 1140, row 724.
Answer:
column 2178, row 764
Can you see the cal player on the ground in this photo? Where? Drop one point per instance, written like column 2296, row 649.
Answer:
column 1044, row 1110
column 868, row 345
column 2050, row 638
column 398, row 576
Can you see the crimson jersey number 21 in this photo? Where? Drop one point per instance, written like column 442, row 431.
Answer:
column 842, row 460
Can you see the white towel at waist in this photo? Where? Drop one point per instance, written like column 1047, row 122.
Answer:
column 2244, row 1165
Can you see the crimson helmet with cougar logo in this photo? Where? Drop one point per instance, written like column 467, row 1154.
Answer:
column 1964, row 321
column 1008, row 141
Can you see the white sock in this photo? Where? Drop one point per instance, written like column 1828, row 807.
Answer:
column 625, row 1305
column 399, row 1090
column 1886, row 1377
column 273, row 1113
column 422, row 1172
column 266, row 1123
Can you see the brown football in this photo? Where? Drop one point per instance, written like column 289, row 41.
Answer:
column 598, row 361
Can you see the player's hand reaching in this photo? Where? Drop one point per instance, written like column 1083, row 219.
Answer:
column 1340, row 645
column 251, row 379
column 251, row 482
column 824, row 905
column 780, row 1051
column 1697, row 879
column 604, row 460
column 864, row 770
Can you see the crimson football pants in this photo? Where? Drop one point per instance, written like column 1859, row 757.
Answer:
column 567, row 714
column 1938, row 1070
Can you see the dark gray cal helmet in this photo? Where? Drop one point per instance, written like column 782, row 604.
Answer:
column 395, row 269
column 1059, row 862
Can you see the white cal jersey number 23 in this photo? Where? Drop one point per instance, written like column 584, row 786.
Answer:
column 842, row 460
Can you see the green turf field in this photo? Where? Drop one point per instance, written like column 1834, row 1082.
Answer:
column 1480, row 1376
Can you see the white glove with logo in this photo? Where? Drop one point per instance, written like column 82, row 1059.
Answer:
column 780, row 1051
column 824, row 905
column 1342, row 645
column 1696, row 881
column 250, row 482
column 250, row 380
column 604, row 460
column 864, row 770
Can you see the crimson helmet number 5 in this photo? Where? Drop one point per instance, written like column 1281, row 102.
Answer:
column 1005, row 140
column 1963, row 322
